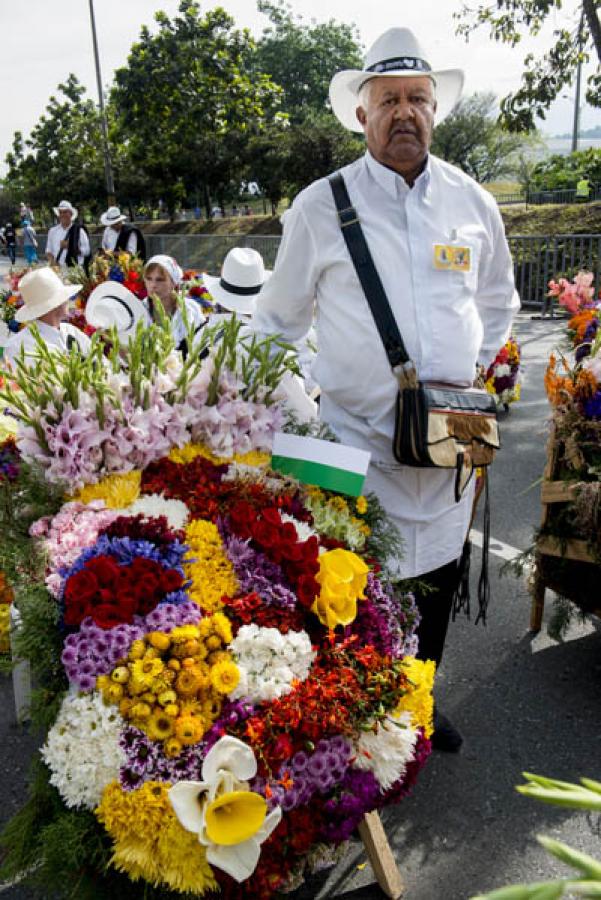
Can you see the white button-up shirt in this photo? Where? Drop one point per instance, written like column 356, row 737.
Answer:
column 449, row 320
column 54, row 338
column 110, row 237
column 56, row 234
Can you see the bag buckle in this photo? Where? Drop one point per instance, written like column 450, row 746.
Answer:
column 347, row 216
column 406, row 375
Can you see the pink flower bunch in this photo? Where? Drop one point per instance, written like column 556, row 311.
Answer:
column 575, row 295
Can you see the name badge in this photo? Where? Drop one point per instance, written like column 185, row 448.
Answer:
column 452, row 258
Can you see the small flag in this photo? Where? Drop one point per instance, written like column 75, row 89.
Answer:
column 334, row 467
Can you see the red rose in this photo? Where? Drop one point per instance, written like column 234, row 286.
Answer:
column 107, row 616
column 271, row 515
column 170, row 581
column 81, row 587
column 75, row 613
column 105, row 569
column 306, row 590
column 265, row 534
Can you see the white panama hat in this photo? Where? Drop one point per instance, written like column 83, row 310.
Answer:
column 243, row 274
column 64, row 204
column 112, row 304
column 41, row 292
column 112, row 216
column 396, row 53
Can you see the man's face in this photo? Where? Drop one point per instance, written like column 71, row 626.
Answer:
column 64, row 217
column 398, row 119
column 117, row 226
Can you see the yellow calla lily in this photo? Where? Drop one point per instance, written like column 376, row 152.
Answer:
column 342, row 576
column 235, row 817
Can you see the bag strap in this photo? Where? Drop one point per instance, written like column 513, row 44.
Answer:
column 368, row 274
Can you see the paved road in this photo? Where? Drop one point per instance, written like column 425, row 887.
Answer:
column 523, row 703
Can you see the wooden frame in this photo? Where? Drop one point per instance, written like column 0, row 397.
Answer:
column 548, row 545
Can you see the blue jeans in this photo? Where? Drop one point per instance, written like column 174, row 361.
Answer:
column 31, row 254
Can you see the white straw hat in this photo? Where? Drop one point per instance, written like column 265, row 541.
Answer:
column 243, row 274
column 112, row 216
column 41, row 292
column 64, row 204
column 396, row 53
column 110, row 303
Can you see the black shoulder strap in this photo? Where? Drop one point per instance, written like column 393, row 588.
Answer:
column 367, row 273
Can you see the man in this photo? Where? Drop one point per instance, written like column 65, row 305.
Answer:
column 67, row 243
column 30, row 243
column 119, row 236
column 9, row 239
column 408, row 203
column 45, row 302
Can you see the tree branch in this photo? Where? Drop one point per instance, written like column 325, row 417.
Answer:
column 592, row 18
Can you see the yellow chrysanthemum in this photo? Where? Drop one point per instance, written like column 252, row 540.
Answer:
column 149, row 841
column 190, row 452
column 184, row 633
column 211, row 708
column 190, row 681
column 145, row 670
column 117, row 491
column 189, row 729
column 160, row 726
column 361, row 505
column 212, row 574
column 222, row 627
column 191, row 708
column 225, row 676
column 4, row 628
column 419, row 700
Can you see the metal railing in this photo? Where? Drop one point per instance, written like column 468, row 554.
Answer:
column 535, row 198
column 536, row 258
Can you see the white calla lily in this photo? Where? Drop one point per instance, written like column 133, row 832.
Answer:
column 231, row 821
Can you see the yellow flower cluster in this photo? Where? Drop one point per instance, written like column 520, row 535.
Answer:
column 171, row 685
column 209, row 569
column 419, row 700
column 184, row 455
column 117, row 491
column 4, row 628
column 150, row 843
column 342, row 576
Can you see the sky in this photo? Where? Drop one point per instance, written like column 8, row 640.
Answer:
column 43, row 42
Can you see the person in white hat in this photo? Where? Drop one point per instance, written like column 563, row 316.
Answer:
column 409, row 205
column 45, row 302
column 110, row 305
column 162, row 278
column 119, row 236
column 243, row 274
column 67, row 243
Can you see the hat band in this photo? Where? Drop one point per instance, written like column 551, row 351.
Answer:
column 125, row 307
column 243, row 291
column 412, row 63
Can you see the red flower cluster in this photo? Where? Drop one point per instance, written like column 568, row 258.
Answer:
column 111, row 593
column 198, row 484
column 279, row 541
column 134, row 282
column 144, row 528
column 251, row 609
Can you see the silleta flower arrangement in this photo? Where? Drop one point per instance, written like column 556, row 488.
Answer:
column 228, row 679
column 502, row 376
column 108, row 266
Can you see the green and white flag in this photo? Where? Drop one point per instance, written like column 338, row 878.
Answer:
column 334, row 467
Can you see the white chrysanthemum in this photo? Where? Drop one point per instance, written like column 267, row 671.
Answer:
column 387, row 751
column 303, row 530
column 174, row 511
column 270, row 661
column 502, row 370
column 82, row 749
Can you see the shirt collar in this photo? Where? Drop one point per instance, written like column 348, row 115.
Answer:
column 393, row 183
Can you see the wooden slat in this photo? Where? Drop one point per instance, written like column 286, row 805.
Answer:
column 379, row 853
column 573, row 549
column 557, row 491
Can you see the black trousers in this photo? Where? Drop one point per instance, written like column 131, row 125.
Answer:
column 435, row 609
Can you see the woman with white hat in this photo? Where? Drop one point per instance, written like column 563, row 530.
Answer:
column 162, row 278
column 45, row 302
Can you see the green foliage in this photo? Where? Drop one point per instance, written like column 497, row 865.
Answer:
column 543, row 79
column 63, row 156
column 471, row 138
column 303, row 58
column 587, row 880
column 564, row 172
column 187, row 103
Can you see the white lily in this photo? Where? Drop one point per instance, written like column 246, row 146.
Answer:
column 231, row 821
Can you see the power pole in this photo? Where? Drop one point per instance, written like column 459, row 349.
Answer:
column 108, row 166
column 576, row 125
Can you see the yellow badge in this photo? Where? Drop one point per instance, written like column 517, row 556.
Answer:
column 453, row 258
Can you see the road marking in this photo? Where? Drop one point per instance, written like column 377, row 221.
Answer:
column 499, row 548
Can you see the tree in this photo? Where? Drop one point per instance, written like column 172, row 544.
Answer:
column 303, row 58
column 186, row 103
column 471, row 138
column 316, row 147
column 545, row 78
column 63, row 156
column 564, row 172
